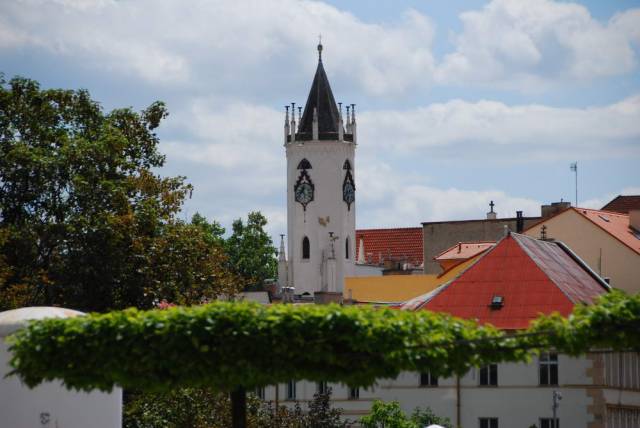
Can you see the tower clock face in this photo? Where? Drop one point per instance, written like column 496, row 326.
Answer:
column 304, row 193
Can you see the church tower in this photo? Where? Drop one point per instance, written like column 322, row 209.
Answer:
column 320, row 147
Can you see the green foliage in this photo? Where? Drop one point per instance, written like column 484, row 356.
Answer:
column 386, row 415
column 182, row 407
column 213, row 232
column 322, row 415
column 425, row 417
column 390, row 415
column 216, row 345
column 85, row 222
column 205, row 408
column 251, row 251
column 613, row 323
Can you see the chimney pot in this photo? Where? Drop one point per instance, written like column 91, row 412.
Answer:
column 519, row 222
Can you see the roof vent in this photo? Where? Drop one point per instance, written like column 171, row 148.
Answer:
column 497, row 302
column 604, row 217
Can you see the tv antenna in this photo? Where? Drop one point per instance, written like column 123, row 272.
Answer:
column 574, row 168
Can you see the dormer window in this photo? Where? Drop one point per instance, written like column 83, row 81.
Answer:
column 497, row 302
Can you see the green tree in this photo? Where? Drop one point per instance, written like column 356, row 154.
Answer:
column 390, row 415
column 425, row 417
column 85, row 222
column 205, row 408
column 251, row 251
column 321, row 415
column 213, row 232
column 386, row 415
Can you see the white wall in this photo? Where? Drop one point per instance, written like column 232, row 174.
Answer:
column 327, row 159
column 49, row 405
column 518, row 401
column 21, row 407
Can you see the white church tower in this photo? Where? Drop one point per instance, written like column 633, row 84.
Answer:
column 320, row 146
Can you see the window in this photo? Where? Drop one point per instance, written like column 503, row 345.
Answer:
column 548, row 423
column 488, row 422
column 321, row 387
column 426, row 379
column 354, row 393
column 489, row 375
column 291, row 390
column 260, row 392
column 548, row 368
column 306, row 250
column 346, row 248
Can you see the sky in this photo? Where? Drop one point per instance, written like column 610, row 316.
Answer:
column 458, row 103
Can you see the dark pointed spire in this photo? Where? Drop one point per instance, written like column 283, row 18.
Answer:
column 321, row 100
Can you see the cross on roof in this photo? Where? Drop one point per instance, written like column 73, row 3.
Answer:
column 491, row 204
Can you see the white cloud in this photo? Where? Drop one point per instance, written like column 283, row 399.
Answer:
column 236, row 148
column 220, row 43
column 389, row 198
column 520, row 132
column 528, row 44
column 599, row 202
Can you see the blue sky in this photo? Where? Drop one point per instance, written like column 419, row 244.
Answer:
column 458, row 102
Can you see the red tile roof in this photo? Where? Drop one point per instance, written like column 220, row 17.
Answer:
column 533, row 277
column 464, row 250
column 623, row 204
column 398, row 243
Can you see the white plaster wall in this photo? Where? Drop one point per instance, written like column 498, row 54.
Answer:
column 518, row 401
column 327, row 175
column 50, row 405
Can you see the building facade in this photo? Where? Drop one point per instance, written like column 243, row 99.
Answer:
column 607, row 241
column 599, row 390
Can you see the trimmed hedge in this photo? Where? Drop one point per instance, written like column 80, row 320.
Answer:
column 224, row 345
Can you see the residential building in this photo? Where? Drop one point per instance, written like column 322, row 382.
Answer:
column 395, row 289
column 609, row 242
column 389, row 251
column 623, row 204
column 599, row 390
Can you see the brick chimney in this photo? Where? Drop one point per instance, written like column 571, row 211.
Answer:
column 554, row 208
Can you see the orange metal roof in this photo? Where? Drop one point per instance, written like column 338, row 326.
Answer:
column 464, row 250
column 623, row 204
column 614, row 223
column 394, row 243
column 532, row 277
column 396, row 288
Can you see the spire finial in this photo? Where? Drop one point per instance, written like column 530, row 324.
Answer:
column 320, row 47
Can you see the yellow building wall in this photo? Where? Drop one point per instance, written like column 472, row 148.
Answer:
column 599, row 249
column 397, row 288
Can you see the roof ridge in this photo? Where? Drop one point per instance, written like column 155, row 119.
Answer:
column 544, row 272
column 390, row 228
column 602, row 211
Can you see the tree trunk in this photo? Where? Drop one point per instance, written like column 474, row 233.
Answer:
column 239, row 408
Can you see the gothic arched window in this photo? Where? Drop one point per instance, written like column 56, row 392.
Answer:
column 347, row 249
column 306, row 248
column 346, row 165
